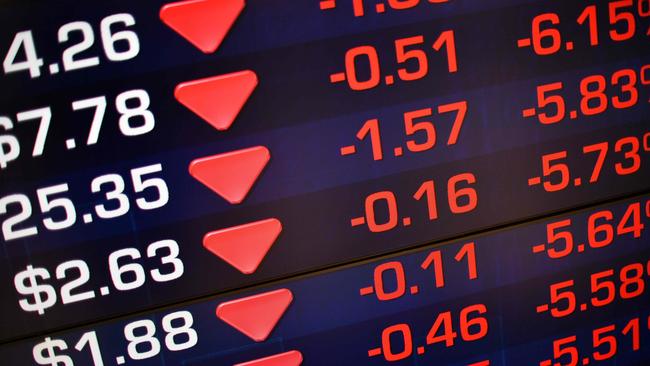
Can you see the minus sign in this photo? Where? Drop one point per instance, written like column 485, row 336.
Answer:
column 542, row 308
column 337, row 78
column 367, row 291
column 348, row 150
column 539, row 248
column 529, row 112
column 524, row 42
column 374, row 352
column 358, row 221
column 534, row 181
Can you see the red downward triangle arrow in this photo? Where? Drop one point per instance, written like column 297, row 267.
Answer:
column 244, row 247
column 219, row 99
column 231, row 175
column 204, row 23
column 256, row 316
column 291, row 358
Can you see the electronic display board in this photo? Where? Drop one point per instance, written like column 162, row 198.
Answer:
column 333, row 182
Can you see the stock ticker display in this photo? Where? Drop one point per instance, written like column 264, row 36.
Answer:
column 325, row 182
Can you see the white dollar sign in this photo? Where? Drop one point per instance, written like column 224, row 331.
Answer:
column 44, row 295
column 44, row 353
column 8, row 142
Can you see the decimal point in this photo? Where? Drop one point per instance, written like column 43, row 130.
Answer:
column 414, row 290
column 569, row 46
column 406, row 221
column 104, row 291
column 399, row 151
column 573, row 114
column 390, row 80
column 420, row 350
column 581, row 248
column 54, row 68
column 70, row 144
column 381, row 8
column 88, row 218
column 585, row 361
column 120, row 360
column 577, row 182
column 583, row 307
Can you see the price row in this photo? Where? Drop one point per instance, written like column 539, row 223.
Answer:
column 125, row 268
column 144, row 341
column 119, row 45
column 135, row 119
column 61, row 213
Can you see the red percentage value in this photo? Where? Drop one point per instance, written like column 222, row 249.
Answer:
column 605, row 287
column 606, row 343
column 546, row 36
column 602, row 228
column 552, row 108
column 557, row 174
